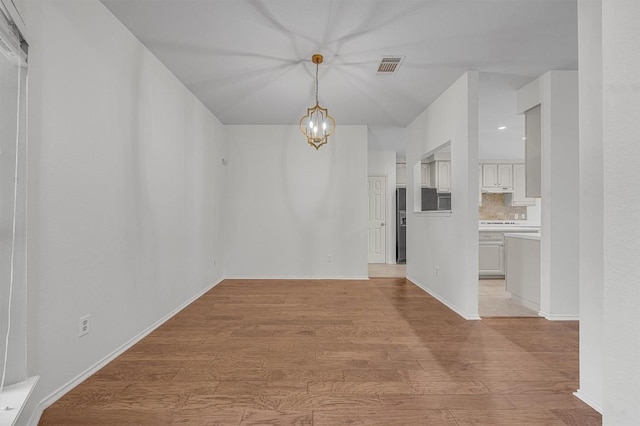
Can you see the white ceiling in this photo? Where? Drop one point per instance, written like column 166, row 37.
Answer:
column 249, row 61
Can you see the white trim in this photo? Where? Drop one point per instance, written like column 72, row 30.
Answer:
column 556, row 317
column 15, row 397
column 444, row 301
column 433, row 213
column 61, row 391
column 588, row 400
column 231, row 277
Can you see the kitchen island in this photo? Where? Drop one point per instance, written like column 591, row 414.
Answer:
column 522, row 253
column 491, row 254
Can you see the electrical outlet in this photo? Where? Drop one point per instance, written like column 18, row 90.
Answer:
column 329, row 258
column 437, row 270
column 516, row 215
column 84, row 325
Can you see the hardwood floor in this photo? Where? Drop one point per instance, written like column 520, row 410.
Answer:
column 377, row 352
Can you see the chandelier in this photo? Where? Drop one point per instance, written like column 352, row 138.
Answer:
column 317, row 125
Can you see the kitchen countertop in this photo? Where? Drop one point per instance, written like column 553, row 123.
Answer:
column 526, row 236
column 509, row 228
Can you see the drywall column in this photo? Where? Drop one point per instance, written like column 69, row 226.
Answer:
column 557, row 93
column 383, row 163
column 560, row 177
column 591, row 207
column 621, row 130
column 442, row 249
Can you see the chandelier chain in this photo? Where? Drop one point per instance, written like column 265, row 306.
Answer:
column 317, row 103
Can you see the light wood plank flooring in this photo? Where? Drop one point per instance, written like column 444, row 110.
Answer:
column 385, row 270
column 376, row 352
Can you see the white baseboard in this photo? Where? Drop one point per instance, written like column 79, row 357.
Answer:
column 336, row 278
column 60, row 392
column 556, row 317
column 587, row 400
column 444, row 301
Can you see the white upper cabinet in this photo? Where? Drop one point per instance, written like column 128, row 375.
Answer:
column 519, row 197
column 505, row 175
column 424, row 178
column 533, row 156
column 489, row 175
column 440, row 175
column 497, row 177
column 444, row 176
column 480, row 185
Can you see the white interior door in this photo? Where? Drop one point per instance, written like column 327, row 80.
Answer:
column 377, row 219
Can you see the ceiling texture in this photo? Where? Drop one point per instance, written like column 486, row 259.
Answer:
column 249, row 61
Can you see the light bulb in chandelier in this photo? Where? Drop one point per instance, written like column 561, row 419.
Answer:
column 317, row 116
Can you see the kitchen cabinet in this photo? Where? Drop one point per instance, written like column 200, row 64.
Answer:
column 522, row 255
column 497, row 177
column 480, row 185
column 424, row 175
column 401, row 174
column 491, row 250
column 533, row 151
column 519, row 197
column 440, row 175
column 491, row 254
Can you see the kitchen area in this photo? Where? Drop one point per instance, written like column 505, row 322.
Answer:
column 508, row 236
column 509, row 199
column 508, row 242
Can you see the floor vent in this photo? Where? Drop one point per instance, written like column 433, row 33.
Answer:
column 389, row 65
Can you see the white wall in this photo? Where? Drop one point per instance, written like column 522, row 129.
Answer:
column 621, row 232
column 383, row 163
column 290, row 207
column 385, row 138
column 125, row 190
column 497, row 107
column 591, row 206
column 557, row 93
column 448, row 242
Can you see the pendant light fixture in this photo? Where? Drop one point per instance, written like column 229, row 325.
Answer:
column 317, row 125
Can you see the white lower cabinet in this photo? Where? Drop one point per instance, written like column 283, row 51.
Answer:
column 491, row 254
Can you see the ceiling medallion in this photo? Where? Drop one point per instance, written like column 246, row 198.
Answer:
column 317, row 125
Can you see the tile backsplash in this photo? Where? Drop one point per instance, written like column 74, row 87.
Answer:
column 494, row 208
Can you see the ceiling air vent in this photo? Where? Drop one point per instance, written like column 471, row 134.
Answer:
column 389, row 65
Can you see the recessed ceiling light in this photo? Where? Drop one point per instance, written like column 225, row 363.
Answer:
column 524, row 138
column 502, row 127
